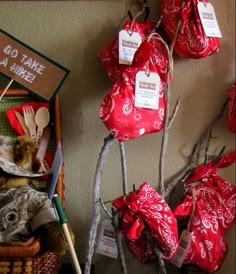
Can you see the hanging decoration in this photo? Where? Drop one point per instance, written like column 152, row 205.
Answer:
column 207, row 212
column 192, row 41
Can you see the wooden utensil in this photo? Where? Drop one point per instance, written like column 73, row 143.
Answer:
column 42, row 118
column 29, row 117
column 22, row 122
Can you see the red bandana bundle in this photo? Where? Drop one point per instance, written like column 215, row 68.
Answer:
column 109, row 56
column 232, row 108
column 118, row 111
column 147, row 207
column 191, row 41
column 209, row 209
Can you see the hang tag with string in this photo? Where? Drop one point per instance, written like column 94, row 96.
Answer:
column 129, row 42
column 147, row 86
column 185, row 239
column 184, row 243
column 208, row 19
column 107, row 244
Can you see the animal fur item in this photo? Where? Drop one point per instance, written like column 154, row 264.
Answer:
column 24, row 151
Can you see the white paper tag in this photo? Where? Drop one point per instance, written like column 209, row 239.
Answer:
column 147, row 90
column 107, row 244
column 208, row 20
column 184, row 243
column 128, row 44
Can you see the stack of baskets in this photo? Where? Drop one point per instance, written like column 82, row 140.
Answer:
column 30, row 258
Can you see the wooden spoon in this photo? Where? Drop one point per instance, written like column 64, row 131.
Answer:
column 42, row 118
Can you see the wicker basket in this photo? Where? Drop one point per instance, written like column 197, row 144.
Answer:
column 45, row 263
column 28, row 259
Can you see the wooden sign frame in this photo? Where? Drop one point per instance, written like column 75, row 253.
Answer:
column 37, row 73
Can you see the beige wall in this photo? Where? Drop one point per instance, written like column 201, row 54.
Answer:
column 72, row 33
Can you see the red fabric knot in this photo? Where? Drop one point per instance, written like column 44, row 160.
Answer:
column 209, row 210
column 109, row 55
column 191, row 41
column 146, row 207
column 186, row 11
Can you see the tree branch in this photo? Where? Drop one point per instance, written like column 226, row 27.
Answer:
column 124, row 168
column 96, row 196
column 195, row 153
column 119, row 238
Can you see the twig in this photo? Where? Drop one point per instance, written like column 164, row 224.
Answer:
column 124, row 168
column 6, row 88
column 219, row 154
column 165, row 133
column 119, row 238
column 114, row 215
column 161, row 264
column 96, row 196
column 105, row 209
column 207, row 146
column 195, row 152
column 174, row 113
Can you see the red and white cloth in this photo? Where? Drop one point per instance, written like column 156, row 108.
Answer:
column 118, row 111
column 146, row 207
column 191, row 41
column 209, row 210
column 109, row 55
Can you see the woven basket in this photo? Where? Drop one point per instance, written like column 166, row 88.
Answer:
column 45, row 263
column 28, row 259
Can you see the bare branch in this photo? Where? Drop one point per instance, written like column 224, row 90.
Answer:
column 161, row 263
column 96, row 196
column 207, row 146
column 105, row 209
column 165, row 134
column 119, row 238
column 174, row 113
column 195, row 153
column 124, row 168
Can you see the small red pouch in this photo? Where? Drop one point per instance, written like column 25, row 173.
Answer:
column 191, row 41
column 118, row 112
column 209, row 210
column 146, row 207
column 232, row 109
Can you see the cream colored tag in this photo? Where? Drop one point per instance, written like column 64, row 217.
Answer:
column 107, row 244
column 147, row 90
column 128, row 44
column 184, row 243
column 208, row 20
